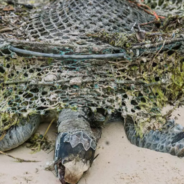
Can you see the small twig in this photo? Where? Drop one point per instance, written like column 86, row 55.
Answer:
column 159, row 50
column 6, row 29
column 18, row 159
column 147, row 23
column 137, row 82
column 151, row 63
column 37, row 44
column 95, row 157
column 48, row 128
column 140, row 83
column 16, row 82
column 59, row 82
column 29, row 6
column 152, row 45
column 2, row 136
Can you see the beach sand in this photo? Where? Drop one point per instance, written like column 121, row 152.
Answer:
column 118, row 162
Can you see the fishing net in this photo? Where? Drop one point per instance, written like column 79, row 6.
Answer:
column 105, row 55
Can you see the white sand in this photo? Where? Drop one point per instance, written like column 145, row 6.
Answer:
column 119, row 162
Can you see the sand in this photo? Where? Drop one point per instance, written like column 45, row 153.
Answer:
column 119, row 162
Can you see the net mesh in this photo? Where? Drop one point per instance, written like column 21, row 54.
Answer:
column 140, row 84
column 69, row 21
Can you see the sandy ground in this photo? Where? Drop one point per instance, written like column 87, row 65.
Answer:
column 119, row 162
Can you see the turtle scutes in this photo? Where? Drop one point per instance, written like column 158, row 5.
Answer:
column 75, row 146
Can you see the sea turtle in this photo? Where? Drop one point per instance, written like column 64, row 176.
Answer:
column 88, row 97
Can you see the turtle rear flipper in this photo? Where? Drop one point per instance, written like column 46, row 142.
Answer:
column 168, row 140
column 75, row 146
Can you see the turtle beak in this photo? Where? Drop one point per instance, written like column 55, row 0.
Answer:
column 74, row 170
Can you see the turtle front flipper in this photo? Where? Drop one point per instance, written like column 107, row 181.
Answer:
column 168, row 140
column 75, row 146
column 19, row 133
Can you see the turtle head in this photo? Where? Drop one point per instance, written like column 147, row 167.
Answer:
column 72, row 160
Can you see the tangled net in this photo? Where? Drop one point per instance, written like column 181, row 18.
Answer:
column 148, row 75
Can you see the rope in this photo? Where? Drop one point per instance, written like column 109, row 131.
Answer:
column 93, row 56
